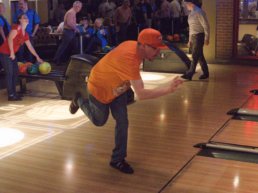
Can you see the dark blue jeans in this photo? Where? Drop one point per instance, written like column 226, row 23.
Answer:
column 98, row 113
column 67, row 37
column 11, row 70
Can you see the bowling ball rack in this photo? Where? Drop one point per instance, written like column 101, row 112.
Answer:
column 59, row 76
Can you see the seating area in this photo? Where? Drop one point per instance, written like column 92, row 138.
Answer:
column 63, row 77
column 248, row 45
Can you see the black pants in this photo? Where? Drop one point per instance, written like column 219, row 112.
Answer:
column 197, row 43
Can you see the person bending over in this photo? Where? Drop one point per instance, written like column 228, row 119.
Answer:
column 108, row 83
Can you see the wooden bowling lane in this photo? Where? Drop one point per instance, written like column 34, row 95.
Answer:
column 251, row 103
column 238, row 132
column 161, row 137
column 212, row 175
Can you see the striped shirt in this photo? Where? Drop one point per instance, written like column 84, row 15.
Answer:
column 198, row 23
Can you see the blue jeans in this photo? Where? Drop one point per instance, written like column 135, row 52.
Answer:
column 67, row 37
column 11, row 70
column 98, row 113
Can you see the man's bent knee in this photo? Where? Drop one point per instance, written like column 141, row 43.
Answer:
column 99, row 123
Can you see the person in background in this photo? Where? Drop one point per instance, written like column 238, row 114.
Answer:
column 60, row 28
column 84, row 26
column 176, row 11
column 149, row 12
column 32, row 28
column 122, row 19
column 16, row 38
column 199, row 34
column 97, row 37
column 106, row 9
column 69, row 31
column 4, row 28
column 59, row 13
column 140, row 12
column 108, row 83
column 165, row 16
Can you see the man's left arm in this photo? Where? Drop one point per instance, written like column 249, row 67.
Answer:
column 36, row 21
column 205, row 24
column 33, row 51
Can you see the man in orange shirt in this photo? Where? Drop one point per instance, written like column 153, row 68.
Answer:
column 108, row 82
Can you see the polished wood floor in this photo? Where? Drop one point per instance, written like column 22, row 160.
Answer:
column 60, row 153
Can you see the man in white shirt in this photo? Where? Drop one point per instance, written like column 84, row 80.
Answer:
column 176, row 13
column 199, row 34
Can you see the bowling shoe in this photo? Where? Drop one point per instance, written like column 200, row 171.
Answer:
column 122, row 166
column 204, row 76
column 14, row 98
column 74, row 104
column 187, row 77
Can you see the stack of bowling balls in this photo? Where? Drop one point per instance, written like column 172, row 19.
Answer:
column 37, row 68
column 170, row 38
column 33, row 69
column 183, row 38
column 176, row 37
column 173, row 38
column 23, row 67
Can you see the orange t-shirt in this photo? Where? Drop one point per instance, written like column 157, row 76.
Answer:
column 111, row 76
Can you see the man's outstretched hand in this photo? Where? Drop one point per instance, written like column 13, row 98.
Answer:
column 175, row 83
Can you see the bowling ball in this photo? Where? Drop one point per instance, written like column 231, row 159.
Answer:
column 23, row 68
column 33, row 69
column 170, row 37
column 28, row 64
column 20, row 63
column 44, row 68
column 183, row 37
column 176, row 37
column 106, row 49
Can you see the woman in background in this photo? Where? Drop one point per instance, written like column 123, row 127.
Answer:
column 16, row 38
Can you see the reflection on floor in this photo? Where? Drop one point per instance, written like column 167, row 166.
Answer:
column 35, row 119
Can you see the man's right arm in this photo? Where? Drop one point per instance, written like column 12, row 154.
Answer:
column 143, row 93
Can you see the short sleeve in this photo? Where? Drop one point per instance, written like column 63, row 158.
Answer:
column 36, row 18
column 14, row 27
column 1, row 22
column 27, row 37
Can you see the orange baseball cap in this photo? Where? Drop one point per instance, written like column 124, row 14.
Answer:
column 151, row 37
